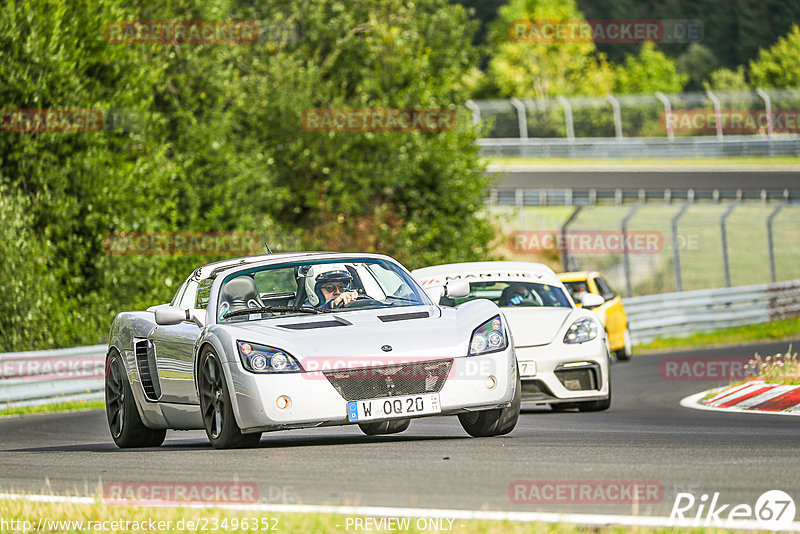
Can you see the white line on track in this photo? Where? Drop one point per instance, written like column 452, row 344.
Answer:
column 386, row 511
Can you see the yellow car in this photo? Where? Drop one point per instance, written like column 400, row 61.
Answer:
column 611, row 313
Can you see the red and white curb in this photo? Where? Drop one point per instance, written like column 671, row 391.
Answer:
column 755, row 396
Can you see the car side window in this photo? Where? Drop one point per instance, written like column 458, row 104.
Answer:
column 188, row 298
column 177, row 299
column 203, row 293
column 605, row 291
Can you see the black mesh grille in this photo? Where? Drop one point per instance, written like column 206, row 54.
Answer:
column 390, row 380
column 145, row 374
column 580, row 378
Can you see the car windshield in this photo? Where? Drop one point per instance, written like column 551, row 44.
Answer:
column 577, row 289
column 514, row 294
column 313, row 287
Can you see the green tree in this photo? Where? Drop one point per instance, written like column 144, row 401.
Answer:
column 648, row 72
column 523, row 67
column 778, row 66
column 727, row 80
column 698, row 62
column 215, row 143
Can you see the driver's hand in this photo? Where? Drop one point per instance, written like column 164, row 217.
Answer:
column 345, row 298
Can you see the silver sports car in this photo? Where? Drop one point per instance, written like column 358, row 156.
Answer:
column 300, row 340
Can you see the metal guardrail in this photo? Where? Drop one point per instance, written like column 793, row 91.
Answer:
column 642, row 147
column 48, row 376
column 688, row 312
column 573, row 196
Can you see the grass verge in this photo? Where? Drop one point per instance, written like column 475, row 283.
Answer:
column 99, row 517
column 56, row 407
column 772, row 331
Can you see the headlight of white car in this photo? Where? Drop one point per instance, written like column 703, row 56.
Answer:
column 488, row 337
column 582, row 330
column 262, row 359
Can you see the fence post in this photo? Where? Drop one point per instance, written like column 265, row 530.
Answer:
column 476, row 112
column 564, row 248
column 567, row 117
column 667, row 114
column 617, row 115
column 725, row 261
column 771, row 244
column 768, row 108
column 717, row 112
column 625, row 258
column 521, row 117
column 676, row 255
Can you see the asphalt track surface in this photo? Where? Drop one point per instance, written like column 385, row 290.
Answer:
column 645, row 436
column 644, row 177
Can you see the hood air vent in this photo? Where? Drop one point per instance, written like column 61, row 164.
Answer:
column 403, row 316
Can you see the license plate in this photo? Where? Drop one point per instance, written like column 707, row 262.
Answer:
column 527, row 368
column 388, row 407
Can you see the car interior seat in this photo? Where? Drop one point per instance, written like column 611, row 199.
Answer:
column 240, row 293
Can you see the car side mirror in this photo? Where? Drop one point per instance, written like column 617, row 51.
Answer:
column 170, row 315
column 592, row 300
column 456, row 289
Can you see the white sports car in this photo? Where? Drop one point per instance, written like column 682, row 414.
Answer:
column 562, row 350
column 299, row 340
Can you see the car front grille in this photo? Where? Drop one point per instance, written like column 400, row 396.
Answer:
column 390, row 380
column 580, row 378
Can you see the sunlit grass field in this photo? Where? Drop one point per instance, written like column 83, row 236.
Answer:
column 700, row 243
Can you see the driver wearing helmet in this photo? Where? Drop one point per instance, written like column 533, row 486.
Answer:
column 328, row 286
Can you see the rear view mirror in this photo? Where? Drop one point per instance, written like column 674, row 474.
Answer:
column 456, row 289
column 169, row 315
column 591, row 300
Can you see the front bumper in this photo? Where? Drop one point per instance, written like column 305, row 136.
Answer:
column 552, row 382
column 316, row 402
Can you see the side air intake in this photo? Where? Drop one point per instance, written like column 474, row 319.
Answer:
column 148, row 372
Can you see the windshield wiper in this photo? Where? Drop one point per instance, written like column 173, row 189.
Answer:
column 269, row 309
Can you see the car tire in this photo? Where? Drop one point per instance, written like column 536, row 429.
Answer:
column 598, row 405
column 216, row 409
column 124, row 422
column 394, row 426
column 624, row 353
column 497, row 422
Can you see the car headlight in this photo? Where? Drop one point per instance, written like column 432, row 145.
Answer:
column 488, row 337
column 262, row 359
column 582, row 330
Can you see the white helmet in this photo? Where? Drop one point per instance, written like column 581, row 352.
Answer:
column 318, row 275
